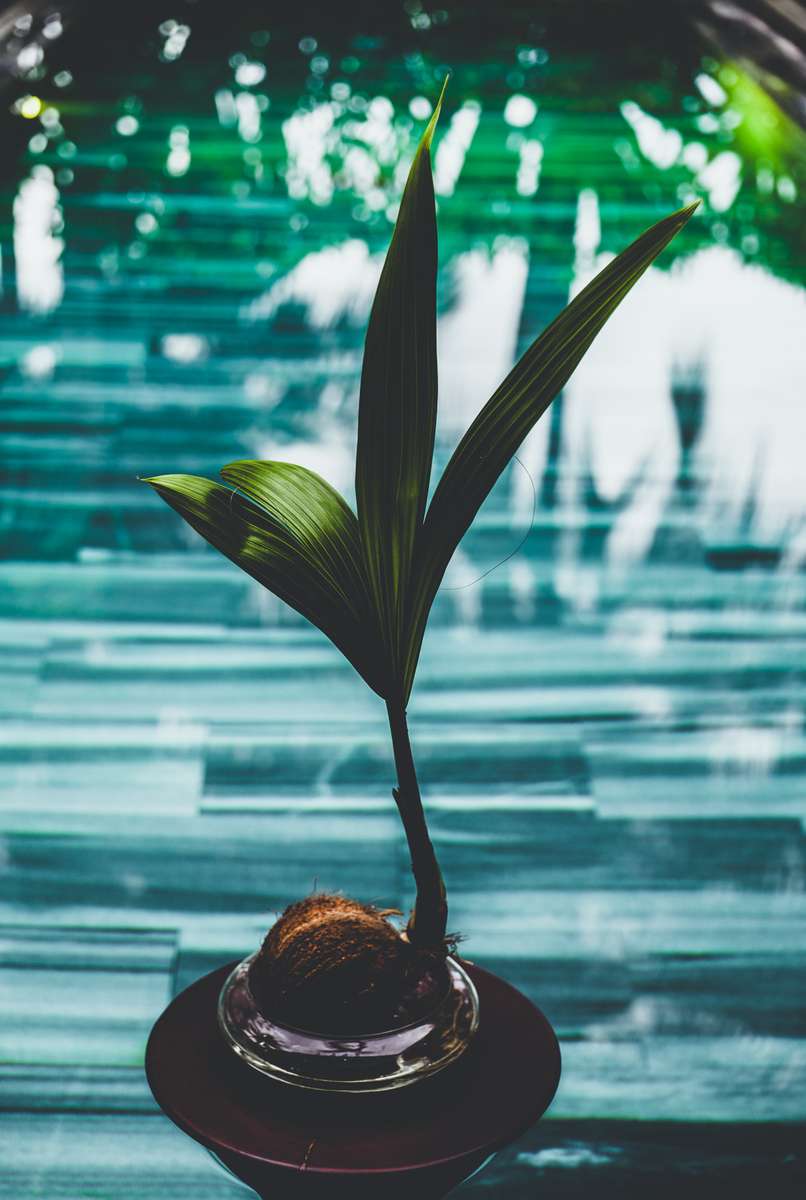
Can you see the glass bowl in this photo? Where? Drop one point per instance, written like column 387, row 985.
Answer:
column 371, row 1062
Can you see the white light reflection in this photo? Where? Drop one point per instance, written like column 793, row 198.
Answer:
column 178, row 159
column 477, row 339
column 333, row 283
column 587, row 230
column 520, row 111
column 523, row 587
column 711, row 91
column 420, row 108
column 184, row 347
column 39, row 362
column 722, row 178
column 660, row 145
column 248, row 74
column 694, row 156
column 745, row 750
column 530, row 154
column 330, row 146
column 30, row 57
column 225, row 107
column 478, row 335
column 453, row 147
column 262, row 390
column 328, row 449
column 619, row 427
column 248, row 110
column 127, row 125
column 755, row 421
column 741, row 331
column 307, row 144
column 37, row 251
column 176, row 37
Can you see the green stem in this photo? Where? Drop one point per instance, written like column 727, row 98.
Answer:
column 428, row 921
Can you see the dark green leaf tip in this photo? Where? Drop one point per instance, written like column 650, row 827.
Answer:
column 432, row 124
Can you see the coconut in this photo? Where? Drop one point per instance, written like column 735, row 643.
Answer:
column 331, row 964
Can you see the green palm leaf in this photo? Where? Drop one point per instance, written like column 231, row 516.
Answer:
column 398, row 401
column 509, row 415
column 318, row 518
column 296, row 536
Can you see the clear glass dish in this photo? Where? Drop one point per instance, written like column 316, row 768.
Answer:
column 372, row 1062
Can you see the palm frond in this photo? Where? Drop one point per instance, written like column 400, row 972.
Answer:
column 316, row 515
column 398, row 401
column 511, row 412
column 299, row 539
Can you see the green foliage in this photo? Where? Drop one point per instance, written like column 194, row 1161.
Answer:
column 397, row 413
column 368, row 582
column 510, row 414
column 297, row 537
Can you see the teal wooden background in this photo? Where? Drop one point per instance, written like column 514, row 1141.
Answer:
column 609, row 725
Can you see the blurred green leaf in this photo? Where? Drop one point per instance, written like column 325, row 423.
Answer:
column 398, row 402
column 508, row 416
column 300, row 540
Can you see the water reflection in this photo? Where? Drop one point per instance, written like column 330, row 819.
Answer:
column 736, row 329
column 332, row 284
column 37, row 249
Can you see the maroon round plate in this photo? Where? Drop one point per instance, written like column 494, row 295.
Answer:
column 286, row 1142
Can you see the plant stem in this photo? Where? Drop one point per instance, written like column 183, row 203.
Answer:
column 428, row 920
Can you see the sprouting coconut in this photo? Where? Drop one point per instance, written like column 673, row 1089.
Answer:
column 368, row 580
column 332, row 960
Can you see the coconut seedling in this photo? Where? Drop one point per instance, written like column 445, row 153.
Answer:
column 368, row 579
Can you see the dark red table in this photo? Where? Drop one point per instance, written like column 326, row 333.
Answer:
column 420, row 1141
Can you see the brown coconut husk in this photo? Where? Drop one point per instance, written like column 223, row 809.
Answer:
column 331, row 964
